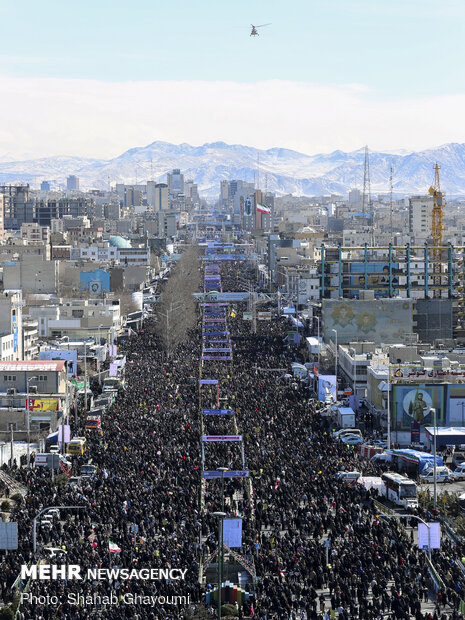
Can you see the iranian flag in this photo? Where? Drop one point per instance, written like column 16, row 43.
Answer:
column 263, row 208
column 113, row 548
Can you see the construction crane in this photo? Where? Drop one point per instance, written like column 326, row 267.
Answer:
column 436, row 232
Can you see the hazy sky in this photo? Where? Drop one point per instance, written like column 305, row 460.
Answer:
column 93, row 78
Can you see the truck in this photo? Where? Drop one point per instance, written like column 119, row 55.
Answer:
column 345, row 417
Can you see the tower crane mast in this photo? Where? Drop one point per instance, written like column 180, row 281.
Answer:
column 437, row 228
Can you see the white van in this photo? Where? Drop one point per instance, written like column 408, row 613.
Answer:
column 348, row 476
column 443, row 474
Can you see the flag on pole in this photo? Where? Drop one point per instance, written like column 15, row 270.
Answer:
column 113, row 548
column 263, row 208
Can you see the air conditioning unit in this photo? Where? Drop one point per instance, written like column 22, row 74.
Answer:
column 11, row 391
column 33, row 389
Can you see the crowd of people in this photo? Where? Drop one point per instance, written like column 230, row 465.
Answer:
column 148, row 499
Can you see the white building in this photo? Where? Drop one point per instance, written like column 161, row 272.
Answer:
column 33, row 233
column 420, row 214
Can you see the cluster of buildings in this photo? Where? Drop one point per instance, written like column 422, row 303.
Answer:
column 361, row 275
column 385, row 302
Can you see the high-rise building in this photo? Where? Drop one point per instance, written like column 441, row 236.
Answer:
column 175, row 182
column 161, row 197
column 72, row 183
column 150, row 193
column 45, row 186
column 2, row 218
column 420, row 213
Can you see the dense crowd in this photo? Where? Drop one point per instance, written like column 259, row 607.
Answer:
column 148, row 498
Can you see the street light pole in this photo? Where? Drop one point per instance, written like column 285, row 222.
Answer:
column 28, row 419
column 389, row 406
column 435, row 494
column 222, row 470
column 221, row 516
column 335, row 360
column 317, row 318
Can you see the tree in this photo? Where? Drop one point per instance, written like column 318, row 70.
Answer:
column 176, row 312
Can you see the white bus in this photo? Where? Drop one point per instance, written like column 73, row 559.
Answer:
column 400, row 490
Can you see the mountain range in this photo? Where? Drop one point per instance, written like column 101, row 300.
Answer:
column 282, row 171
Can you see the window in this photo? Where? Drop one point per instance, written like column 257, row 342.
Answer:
column 42, row 377
column 9, row 377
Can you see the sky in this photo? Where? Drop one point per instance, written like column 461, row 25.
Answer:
column 94, row 78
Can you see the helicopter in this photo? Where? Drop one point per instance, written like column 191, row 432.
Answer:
column 254, row 32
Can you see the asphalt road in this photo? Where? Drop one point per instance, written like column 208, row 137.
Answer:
column 450, row 487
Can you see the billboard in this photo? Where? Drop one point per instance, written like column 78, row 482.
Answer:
column 9, row 535
column 232, row 532
column 96, row 282
column 414, row 403
column 429, row 535
column 327, row 387
column 382, row 320
column 44, row 404
column 69, row 356
column 456, row 408
column 373, row 275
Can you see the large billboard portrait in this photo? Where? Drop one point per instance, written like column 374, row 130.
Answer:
column 415, row 403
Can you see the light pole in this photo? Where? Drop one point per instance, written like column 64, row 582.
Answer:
column 389, row 406
column 394, row 516
column 28, row 419
column 98, row 356
column 317, row 318
column 335, row 360
column 435, row 494
column 221, row 516
column 222, row 470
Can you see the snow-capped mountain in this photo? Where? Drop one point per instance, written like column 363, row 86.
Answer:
column 282, row 170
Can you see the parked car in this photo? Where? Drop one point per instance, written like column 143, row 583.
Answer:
column 459, row 472
column 379, row 443
column 347, row 431
column 352, row 440
column 458, row 458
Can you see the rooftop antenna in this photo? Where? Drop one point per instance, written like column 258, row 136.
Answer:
column 366, row 197
column 390, row 198
column 258, row 170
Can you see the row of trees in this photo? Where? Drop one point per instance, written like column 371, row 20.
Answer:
column 176, row 312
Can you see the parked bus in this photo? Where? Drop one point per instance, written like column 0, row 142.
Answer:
column 400, row 490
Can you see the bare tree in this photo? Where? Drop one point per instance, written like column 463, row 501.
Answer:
column 176, row 312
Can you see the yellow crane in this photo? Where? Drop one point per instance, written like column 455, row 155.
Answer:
column 436, row 231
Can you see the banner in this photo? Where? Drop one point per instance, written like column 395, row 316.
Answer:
column 218, row 411
column 410, row 373
column 208, row 382
column 221, row 437
column 264, row 316
column 216, row 350
column 213, row 357
column 44, row 404
column 227, row 474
